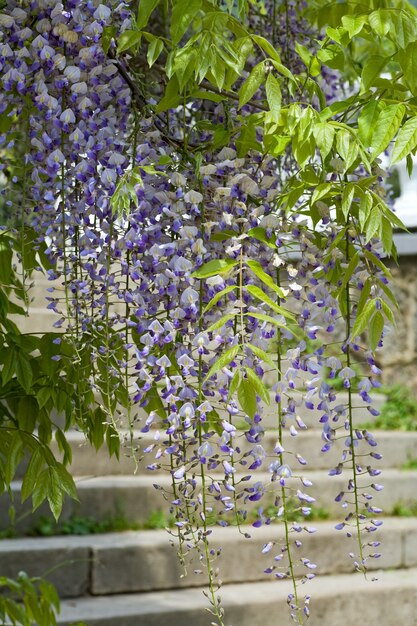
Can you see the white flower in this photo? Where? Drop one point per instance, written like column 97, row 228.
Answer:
column 102, row 12
column 181, row 264
column 19, row 15
column 59, row 61
column 226, row 153
column 178, row 180
column 6, row 20
column 222, row 192
column 187, row 410
column 193, row 196
column 108, row 177
column 198, row 247
column 179, row 473
column 188, row 232
column 67, row 116
column 189, row 296
column 79, row 88
column 116, row 158
column 73, row 73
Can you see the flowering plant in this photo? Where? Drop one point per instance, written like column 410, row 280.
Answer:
column 202, row 182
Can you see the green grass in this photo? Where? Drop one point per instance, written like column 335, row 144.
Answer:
column 405, row 510
column 399, row 411
column 411, row 464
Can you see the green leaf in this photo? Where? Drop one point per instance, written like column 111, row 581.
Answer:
column 376, row 327
column 261, row 354
column 257, row 269
column 380, row 22
column 389, row 121
column 65, row 481
column 14, row 456
column 154, row 50
column 235, row 382
column 365, row 207
column 260, row 234
column 223, row 235
column 378, row 263
column 258, row 385
column 6, row 255
column 408, row 61
column 388, row 312
column 404, row 30
column 43, row 396
column 373, row 223
column 372, row 70
column 273, row 95
column 216, row 67
column 32, row 473
column 267, row 47
column 9, row 366
column 321, row 191
column 312, row 63
column 406, row 140
column 40, row 489
column 212, row 268
column 387, row 291
column 171, row 98
column 272, row 320
column 343, row 144
column 256, row 292
column 63, row 446
column 55, row 492
column 354, row 24
column 247, row 139
column 23, row 371
column 367, row 121
column 109, row 33
column 409, row 164
column 223, row 361
column 246, row 396
column 347, row 198
column 221, row 322
column 252, row 84
column 218, row 297
column 324, row 136
column 183, row 13
column 50, row 594
column 363, row 318
column 113, row 441
column 146, row 7
column 128, row 39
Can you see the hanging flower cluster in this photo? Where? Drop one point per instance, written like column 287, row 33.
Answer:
column 203, row 292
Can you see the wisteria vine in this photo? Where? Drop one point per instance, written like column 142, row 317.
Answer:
column 213, row 217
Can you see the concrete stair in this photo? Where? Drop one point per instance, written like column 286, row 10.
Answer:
column 134, row 578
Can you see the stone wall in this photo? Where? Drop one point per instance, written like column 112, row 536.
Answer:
column 398, row 358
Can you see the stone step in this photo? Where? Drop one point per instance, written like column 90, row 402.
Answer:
column 143, row 561
column 397, row 448
column 342, row 600
column 136, row 498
